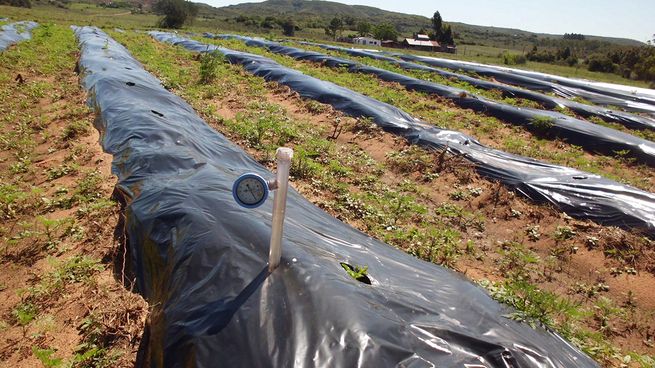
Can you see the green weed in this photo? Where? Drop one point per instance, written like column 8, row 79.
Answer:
column 57, row 172
column 359, row 273
column 25, row 313
column 209, row 62
column 74, row 129
column 45, row 356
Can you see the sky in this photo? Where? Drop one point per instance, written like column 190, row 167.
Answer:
column 628, row 18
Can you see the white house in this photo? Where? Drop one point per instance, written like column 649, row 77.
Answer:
column 366, row 41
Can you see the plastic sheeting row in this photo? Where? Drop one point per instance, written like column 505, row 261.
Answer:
column 623, row 92
column 629, row 120
column 630, row 100
column 580, row 194
column 200, row 259
column 591, row 137
column 15, row 32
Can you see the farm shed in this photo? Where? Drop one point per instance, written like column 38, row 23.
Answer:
column 421, row 42
column 367, row 41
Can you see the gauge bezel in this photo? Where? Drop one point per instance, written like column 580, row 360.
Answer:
column 243, row 177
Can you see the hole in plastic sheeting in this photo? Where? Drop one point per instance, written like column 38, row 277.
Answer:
column 580, row 177
column 358, row 273
column 157, row 113
column 131, row 84
column 128, row 68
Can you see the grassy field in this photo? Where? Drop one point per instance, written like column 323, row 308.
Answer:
column 62, row 307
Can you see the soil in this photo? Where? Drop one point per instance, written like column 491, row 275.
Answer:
column 116, row 315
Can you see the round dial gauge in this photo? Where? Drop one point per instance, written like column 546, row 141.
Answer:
column 250, row 190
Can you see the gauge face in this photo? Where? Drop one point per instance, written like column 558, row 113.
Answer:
column 250, row 190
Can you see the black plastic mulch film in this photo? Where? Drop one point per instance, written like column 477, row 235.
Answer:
column 629, row 98
column 200, row 259
column 15, row 32
column 591, row 137
column 579, row 194
column 629, row 120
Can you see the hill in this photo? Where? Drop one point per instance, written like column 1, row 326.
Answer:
column 324, row 11
column 318, row 13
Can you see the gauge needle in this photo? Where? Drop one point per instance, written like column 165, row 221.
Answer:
column 250, row 190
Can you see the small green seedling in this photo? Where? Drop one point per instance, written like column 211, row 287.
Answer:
column 358, row 273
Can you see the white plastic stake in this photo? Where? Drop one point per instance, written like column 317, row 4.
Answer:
column 283, row 156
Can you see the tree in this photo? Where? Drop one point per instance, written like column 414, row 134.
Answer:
column 334, row 28
column 288, row 27
column 18, row 3
column 437, row 26
column 268, row 22
column 564, row 53
column 447, row 36
column 601, row 64
column 441, row 32
column 364, row 28
column 385, row 31
column 349, row 20
column 176, row 12
column 573, row 36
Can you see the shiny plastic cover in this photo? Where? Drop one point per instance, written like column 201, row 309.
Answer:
column 566, row 87
column 15, row 32
column 591, row 137
column 629, row 120
column 579, row 194
column 200, row 259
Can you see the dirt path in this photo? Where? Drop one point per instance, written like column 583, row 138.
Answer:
column 111, row 15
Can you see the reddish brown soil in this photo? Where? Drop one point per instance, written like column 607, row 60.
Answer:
column 119, row 314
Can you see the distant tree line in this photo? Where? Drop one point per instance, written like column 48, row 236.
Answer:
column 383, row 31
column 562, row 55
column 573, row 36
column 19, row 3
column 288, row 25
column 335, row 27
column 637, row 62
column 439, row 32
column 634, row 63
